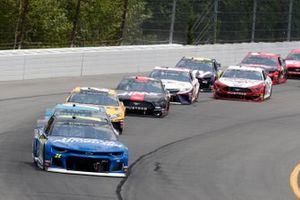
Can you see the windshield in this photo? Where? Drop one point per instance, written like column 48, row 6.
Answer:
column 83, row 130
column 171, row 75
column 140, row 86
column 93, row 98
column 293, row 57
column 72, row 112
column 260, row 60
column 242, row 74
column 205, row 66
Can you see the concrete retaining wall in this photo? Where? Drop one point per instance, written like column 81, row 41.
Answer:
column 50, row 63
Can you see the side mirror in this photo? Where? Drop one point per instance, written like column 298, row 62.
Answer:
column 39, row 132
column 220, row 73
column 218, row 65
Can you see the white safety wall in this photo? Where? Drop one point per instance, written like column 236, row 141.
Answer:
column 50, row 63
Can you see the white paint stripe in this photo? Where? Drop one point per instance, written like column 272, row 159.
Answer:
column 57, row 170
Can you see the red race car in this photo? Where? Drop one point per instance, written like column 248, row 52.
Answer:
column 272, row 63
column 293, row 63
column 243, row 83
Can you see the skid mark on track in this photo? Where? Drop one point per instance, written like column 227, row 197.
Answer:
column 157, row 167
column 208, row 133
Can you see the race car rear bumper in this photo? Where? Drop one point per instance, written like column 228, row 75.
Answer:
column 293, row 71
column 59, row 170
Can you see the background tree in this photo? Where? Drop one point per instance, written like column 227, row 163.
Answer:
column 19, row 34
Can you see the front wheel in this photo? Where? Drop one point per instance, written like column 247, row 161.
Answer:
column 158, row 114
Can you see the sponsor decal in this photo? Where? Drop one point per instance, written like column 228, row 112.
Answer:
column 137, row 96
column 135, row 108
column 88, row 141
column 133, row 93
column 58, row 156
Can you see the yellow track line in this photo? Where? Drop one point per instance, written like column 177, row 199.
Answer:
column 294, row 181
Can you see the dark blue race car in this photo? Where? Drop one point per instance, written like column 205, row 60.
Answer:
column 79, row 145
column 207, row 70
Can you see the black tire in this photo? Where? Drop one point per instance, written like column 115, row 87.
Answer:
column 167, row 109
column 197, row 96
column 158, row 114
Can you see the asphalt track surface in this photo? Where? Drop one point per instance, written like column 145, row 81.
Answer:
column 212, row 150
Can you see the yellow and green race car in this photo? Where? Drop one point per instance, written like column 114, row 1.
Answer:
column 103, row 97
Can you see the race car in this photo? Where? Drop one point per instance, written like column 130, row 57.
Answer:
column 207, row 70
column 144, row 95
column 245, row 83
column 293, row 63
column 79, row 145
column 273, row 64
column 102, row 97
column 181, row 83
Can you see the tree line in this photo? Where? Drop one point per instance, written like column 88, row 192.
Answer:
column 74, row 23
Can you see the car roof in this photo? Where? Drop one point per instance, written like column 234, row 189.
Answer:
column 172, row 69
column 199, row 58
column 77, row 106
column 100, row 110
column 142, row 78
column 79, row 118
column 264, row 54
column 95, row 90
column 246, row 68
column 295, row 51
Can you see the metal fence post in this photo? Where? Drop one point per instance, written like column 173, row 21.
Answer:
column 290, row 20
column 172, row 22
column 253, row 20
column 216, row 5
column 82, row 64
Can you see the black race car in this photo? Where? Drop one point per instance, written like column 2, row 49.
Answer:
column 207, row 70
column 144, row 95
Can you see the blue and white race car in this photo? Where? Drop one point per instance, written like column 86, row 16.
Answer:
column 79, row 145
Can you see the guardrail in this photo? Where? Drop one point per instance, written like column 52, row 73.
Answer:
column 50, row 63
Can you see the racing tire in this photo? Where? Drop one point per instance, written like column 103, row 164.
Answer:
column 271, row 93
column 263, row 96
column 167, row 109
column 197, row 96
column 44, row 168
column 158, row 114
column 215, row 95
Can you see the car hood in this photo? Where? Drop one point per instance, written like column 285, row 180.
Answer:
column 265, row 67
column 295, row 63
column 237, row 82
column 139, row 96
column 86, row 144
column 172, row 84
